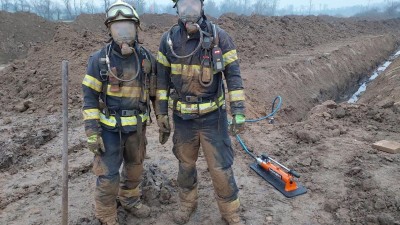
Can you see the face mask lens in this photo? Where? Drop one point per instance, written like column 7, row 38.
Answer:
column 189, row 9
column 123, row 32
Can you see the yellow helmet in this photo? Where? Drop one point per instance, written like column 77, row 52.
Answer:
column 121, row 10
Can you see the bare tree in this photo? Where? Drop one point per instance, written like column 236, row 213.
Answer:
column 211, row 8
column 5, row 5
column 274, row 7
column 106, row 5
column 24, row 5
column 15, row 6
column 68, row 10
column 42, row 8
column 89, row 7
column 57, row 11
column 310, row 7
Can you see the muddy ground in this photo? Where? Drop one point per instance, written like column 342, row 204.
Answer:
column 314, row 63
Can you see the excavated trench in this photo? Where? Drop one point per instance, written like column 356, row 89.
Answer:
column 308, row 78
column 368, row 79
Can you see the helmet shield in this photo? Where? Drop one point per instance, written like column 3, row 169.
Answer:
column 123, row 32
column 189, row 10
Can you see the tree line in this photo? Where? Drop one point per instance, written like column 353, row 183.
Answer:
column 69, row 9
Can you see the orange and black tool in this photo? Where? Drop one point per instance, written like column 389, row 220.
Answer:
column 278, row 175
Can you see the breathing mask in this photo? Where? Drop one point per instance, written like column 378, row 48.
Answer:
column 124, row 34
column 190, row 12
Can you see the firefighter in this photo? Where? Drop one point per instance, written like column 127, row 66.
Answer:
column 193, row 58
column 116, row 108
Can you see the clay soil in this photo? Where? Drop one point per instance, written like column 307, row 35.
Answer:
column 314, row 63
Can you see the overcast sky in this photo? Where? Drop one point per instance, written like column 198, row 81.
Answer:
column 330, row 3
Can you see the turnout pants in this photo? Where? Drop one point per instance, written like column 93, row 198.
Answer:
column 211, row 133
column 129, row 149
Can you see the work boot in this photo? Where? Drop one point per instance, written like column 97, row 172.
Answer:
column 109, row 221
column 230, row 212
column 188, row 204
column 139, row 210
column 130, row 201
column 105, row 205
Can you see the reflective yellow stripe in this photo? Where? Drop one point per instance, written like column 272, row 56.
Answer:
column 127, row 92
column 161, row 95
column 91, row 114
column 197, row 108
column 176, row 69
column 110, row 121
column 185, row 70
column 237, row 95
column 230, row 57
column 131, row 120
column 92, row 83
column 162, row 59
column 125, row 121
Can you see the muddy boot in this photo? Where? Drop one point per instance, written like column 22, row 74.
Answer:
column 130, row 201
column 105, row 204
column 230, row 212
column 109, row 221
column 188, row 204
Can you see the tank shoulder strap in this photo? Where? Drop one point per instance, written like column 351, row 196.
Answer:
column 103, row 64
column 213, row 29
column 104, row 78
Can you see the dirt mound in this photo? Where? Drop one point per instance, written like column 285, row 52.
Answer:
column 91, row 22
column 38, row 77
column 21, row 31
column 258, row 37
column 159, row 21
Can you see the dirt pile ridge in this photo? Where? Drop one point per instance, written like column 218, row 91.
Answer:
column 38, row 77
column 20, row 32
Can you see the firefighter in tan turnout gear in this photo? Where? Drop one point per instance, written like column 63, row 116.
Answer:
column 193, row 57
column 117, row 91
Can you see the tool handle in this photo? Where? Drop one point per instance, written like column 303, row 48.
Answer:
column 294, row 173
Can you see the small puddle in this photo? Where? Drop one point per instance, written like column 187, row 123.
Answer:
column 354, row 98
